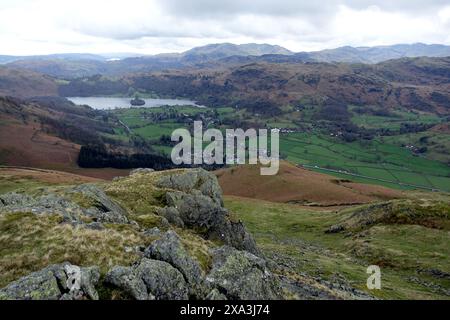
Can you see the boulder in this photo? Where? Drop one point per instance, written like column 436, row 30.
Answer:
column 148, row 280
column 104, row 209
column 47, row 204
column 199, row 211
column 16, row 199
column 240, row 275
column 60, row 281
column 172, row 215
column 153, row 232
column 194, row 179
column 170, row 249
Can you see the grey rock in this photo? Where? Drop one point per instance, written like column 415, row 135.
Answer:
column 149, row 279
column 172, row 215
column 153, row 232
column 200, row 211
column 194, row 179
column 105, row 209
column 335, row 229
column 163, row 281
column 196, row 210
column 61, row 281
column 47, row 204
column 12, row 198
column 170, row 249
column 215, row 295
column 241, row 275
column 127, row 280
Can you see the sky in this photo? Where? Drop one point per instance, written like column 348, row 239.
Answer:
column 29, row 27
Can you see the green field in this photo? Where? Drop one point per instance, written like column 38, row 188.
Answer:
column 393, row 121
column 377, row 160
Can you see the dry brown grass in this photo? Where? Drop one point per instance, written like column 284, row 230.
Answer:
column 297, row 185
column 29, row 243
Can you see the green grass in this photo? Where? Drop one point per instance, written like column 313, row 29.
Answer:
column 376, row 159
column 393, row 122
column 438, row 144
column 298, row 234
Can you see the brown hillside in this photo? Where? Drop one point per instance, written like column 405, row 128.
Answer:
column 25, row 142
column 297, row 185
column 420, row 83
column 42, row 175
column 25, row 83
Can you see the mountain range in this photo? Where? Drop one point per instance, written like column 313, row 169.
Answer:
column 79, row 65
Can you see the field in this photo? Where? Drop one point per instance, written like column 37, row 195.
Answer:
column 393, row 120
column 375, row 162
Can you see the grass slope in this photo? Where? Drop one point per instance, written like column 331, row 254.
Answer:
column 406, row 253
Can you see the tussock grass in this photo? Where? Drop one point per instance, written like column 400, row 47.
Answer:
column 137, row 193
column 29, row 243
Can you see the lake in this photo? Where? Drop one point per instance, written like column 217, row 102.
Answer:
column 105, row 103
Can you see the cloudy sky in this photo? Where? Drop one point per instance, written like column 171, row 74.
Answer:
column 155, row 26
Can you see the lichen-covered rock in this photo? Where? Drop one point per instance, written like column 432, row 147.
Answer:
column 215, row 295
column 127, row 280
column 153, row 232
column 148, row 280
column 61, row 281
column 46, row 204
column 199, row 211
column 172, row 215
column 15, row 199
column 240, row 275
column 170, row 249
column 103, row 208
column 194, row 179
column 197, row 201
column 234, row 234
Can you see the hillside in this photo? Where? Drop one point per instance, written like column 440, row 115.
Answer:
column 418, row 84
column 167, row 235
column 48, row 133
column 296, row 185
column 380, row 53
column 24, row 83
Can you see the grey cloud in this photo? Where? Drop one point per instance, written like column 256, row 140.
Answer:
column 310, row 8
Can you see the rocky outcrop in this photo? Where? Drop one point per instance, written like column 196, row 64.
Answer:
column 56, row 282
column 194, row 199
column 234, row 275
column 103, row 208
column 170, row 249
column 196, row 179
column 149, row 280
column 47, row 204
column 240, row 275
